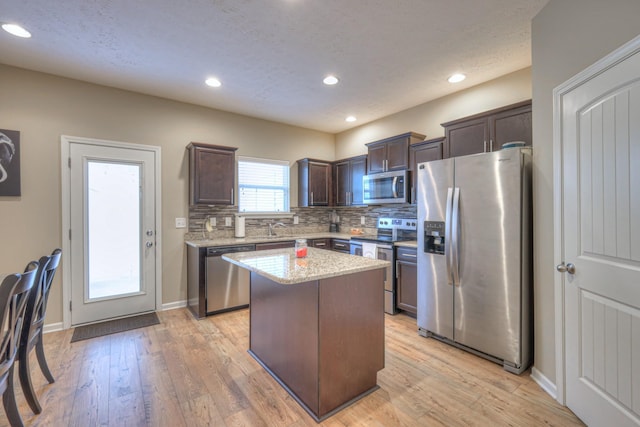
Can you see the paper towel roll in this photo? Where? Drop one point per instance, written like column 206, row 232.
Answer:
column 239, row 226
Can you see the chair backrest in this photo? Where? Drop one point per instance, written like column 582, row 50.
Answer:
column 37, row 301
column 14, row 292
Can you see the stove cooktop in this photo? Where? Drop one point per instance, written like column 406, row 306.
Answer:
column 392, row 230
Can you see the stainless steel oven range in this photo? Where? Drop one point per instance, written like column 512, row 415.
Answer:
column 380, row 246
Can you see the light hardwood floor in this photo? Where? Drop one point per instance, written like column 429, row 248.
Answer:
column 186, row 372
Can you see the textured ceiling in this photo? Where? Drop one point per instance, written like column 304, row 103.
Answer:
column 271, row 55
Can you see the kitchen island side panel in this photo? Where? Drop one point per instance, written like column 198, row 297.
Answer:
column 284, row 333
column 351, row 328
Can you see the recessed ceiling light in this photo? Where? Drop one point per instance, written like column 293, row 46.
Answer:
column 457, row 78
column 330, row 80
column 350, row 119
column 16, row 30
column 213, row 82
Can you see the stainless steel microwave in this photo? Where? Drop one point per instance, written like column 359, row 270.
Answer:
column 387, row 187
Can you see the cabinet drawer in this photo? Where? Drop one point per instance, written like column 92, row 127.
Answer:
column 320, row 243
column 407, row 254
column 340, row 245
column 275, row 245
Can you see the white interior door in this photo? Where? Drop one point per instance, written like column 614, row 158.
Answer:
column 600, row 140
column 112, row 230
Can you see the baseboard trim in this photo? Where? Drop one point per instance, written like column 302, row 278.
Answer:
column 544, row 382
column 174, row 305
column 52, row 327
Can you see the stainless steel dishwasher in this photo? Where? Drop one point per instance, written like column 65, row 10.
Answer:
column 227, row 285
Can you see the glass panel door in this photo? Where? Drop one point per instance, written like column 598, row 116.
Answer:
column 112, row 230
column 113, row 234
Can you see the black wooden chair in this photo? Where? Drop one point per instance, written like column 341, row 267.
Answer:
column 31, row 335
column 14, row 292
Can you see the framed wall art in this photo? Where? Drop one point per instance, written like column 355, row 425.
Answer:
column 9, row 162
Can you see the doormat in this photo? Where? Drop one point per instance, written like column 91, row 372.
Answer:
column 114, row 326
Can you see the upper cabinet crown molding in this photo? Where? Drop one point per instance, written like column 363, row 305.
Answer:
column 212, row 171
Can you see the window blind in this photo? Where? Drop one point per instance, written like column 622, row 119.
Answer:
column 263, row 185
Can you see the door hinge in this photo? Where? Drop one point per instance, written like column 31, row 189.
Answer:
column 70, row 304
column 69, row 162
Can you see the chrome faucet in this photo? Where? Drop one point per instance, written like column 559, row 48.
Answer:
column 272, row 226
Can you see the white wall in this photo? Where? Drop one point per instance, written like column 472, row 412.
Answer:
column 567, row 36
column 426, row 118
column 43, row 107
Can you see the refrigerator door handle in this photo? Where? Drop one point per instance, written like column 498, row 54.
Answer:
column 455, row 237
column 447, row 234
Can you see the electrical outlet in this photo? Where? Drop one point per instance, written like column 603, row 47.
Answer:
column 212, row 221
column 227, row 221
column 181, row 223
column 362, row 220
column 296, row 220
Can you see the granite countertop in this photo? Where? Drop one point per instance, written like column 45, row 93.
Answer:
column 407, row 244
column 231, row 241
column 281, row 265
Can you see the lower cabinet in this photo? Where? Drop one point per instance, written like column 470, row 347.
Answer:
column 320, row 243
column 407, row 279
column 275, row 245
column 340, row 245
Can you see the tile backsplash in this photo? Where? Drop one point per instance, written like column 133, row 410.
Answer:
column 311, row 220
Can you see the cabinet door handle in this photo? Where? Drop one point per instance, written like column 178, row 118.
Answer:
column 485, row 146
column 413, row 194
column 397, row 270
column 491, row 145
column 232, row 198
column 410, row 255
column 311, row 199
column 319, row 244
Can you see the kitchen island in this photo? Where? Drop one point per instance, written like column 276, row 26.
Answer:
column 317, row 324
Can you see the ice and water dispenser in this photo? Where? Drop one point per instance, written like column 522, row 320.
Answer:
column 434, row 237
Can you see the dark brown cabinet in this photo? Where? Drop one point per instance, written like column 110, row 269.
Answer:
column 392, row 153
column 211, row 174
column 347, row 178
column 320, row 243
column 340, row 245
column 314, row 183
column 407, row 279
column 425, row 151
column 489, row 130
column 275, row 245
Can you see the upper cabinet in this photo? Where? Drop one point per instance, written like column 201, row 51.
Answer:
column 314, row 183
column 489, row 130
column 347, row 178
column 211, row 174
column 392, row 153
column 424, row 151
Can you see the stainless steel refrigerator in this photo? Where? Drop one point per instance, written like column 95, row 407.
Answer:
column 475, row 254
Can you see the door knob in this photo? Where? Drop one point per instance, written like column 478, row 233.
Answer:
column 569, row 268
column 149, row 244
